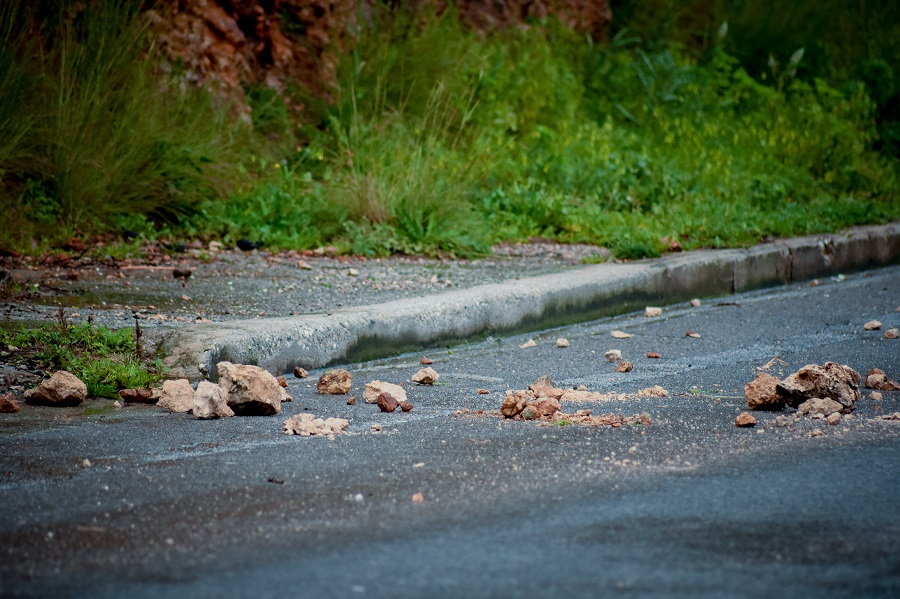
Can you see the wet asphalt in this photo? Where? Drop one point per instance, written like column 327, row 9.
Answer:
column 687, row 506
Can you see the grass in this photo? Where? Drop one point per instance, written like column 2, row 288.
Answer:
column 105, row 360
column 443, row 142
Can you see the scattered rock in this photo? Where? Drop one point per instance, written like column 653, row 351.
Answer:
column 351, row 401
column 693, row 334
column 177, row 396
column 529, row 413
column 515, row 402
column 85, row 463
column 8, row 404
column 529, row 343
column 830, row 380
column 745, row 419
column 62, row 389
column 300, row 373
column 250, row 390
column 786, row 420
column 651, row 311
column 209, row 402
column 653, row 355
column 137, row 396
column 426, row 361
column 877, row 379
column 817, row 433
column 654, row 391
column 386, row 402
column 624, row 366
column 875, row 396
column 894, row 416
column 483, row 392
column 818, row 406
column 405, row 406
column 543, row 386
column 620, row 335
column 562, row 342
column 892, row 333
column 304, row 265
column 418, row 498
column 696, row 303
column 282, row 382
column 353, row 272
column 376, row 388
column 762, row 394
column 426, row 376
column 307, row 425
column 872, row 325
column 833, row 419
column 613, row 355
column 375, row 428
column 334, row 382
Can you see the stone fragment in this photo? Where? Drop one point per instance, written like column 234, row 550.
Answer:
column 620, row 335
column 786, row 420
column 137, row 395
column 177, row 396
column 375, row 428
column 875, row 396
column 877, row 379
column 282, row 382
column 376, row 388
column 304, row 265
column 62, row 389
column 8, row 403
column 352, row 272
column 654, row 391
column 818, row 406
column 546, row 406
column 426, row 376
column 692, row 334
column 300, row 373
column 334, row 382
column 483, row 392
column 307, row 425
column 829, row 380
column 405, row 406
column 894, row 416
column 542, row 385
column 351, row 401
column 250, row 390
column 892, row 333
column 745, row 419
column 651, row 311
column 833, row 419
column 613, row 355
column 426, row 361
column 696, row 303
column 418, row 498
column 653, row 355
column 529, row 413
column 624, row 366
column 761, row 393
column 386, row 402
column 562, row 342
column 527, row 344
column 209, row 402
column 515, row 402
column 872, row 325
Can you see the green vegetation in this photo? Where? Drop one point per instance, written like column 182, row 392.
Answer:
column 443, row 141
column 106, row 360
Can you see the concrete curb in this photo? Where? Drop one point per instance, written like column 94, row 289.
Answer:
column 279, row 344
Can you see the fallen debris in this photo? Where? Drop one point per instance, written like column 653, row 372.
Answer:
column 300, row 373
column 745, row 420
column 426, row 361
column 877, row 379
column 8, row 404
column 138, row 396
column 651, row 311
column 177, row 396
column 209, row 402
column 693, row 334
column 654, row 391
column 830, row 380
column 351, row 401
column 376, row 388
column 405, row 406
column 821, row 407
column 876, row 396
column 613, row 355
column 375, row 428
column 696, row 303
column 895, row 416
column 892, row 333
column 620, row 335
column 872, row 325
column 762, row 394
column 653, row 355
column 426, row 376
column 307, row 425
column 418, row 498
column 624, row 366
column 527, row 344
column 386, row 402
column 62, row 389
column 334, row 382
column 250, row 390
column 562, row 342
column 483, row 391
column 282, row 381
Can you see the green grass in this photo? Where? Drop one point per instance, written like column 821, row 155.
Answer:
column 105, row 360
column 442, row 141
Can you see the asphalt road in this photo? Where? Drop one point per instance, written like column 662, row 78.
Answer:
column 688, row 506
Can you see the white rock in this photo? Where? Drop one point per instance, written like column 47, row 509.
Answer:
column 209, row 402
column 62, row 389
column 562, row 342
column 376, row 388
column 177, row 396
column 613, row 355
column 250, row 390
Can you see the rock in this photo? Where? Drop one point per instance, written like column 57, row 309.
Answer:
column 786, row 420
column 542, row 386
column 375, row 428
column 405, row 406
column 654, row 391
column 761, row 393
column 830, row 380
column 620, row 335
column 418, row 498
column 892, row 333
column 334, row 382
column 282, row 382
column 62, row 389
column 304, row 265
column 529, row 343
column 624, row 366
column 351, row 401
column 894, row 416
column 8, row 404
column 137, row 396
column 818, row 406
column 177, row 396
column 696, row 303
column 386, row 402
column 692, row 334
column 426, row 376
column 562, row 342
column 872, row 325
column 426, row 361
column 483, row 391
column 546, row 406
column 307, row 425
column 376, row 388
column 514, row 403
column 300, row 373
column 833, row 419
column 209, row 402
column 653, row 355
column 613, row 355
column 651, row 311
column 745, row 419
column 876, row 396
column 529, row 413
column 877, row 379
column 250, row 390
